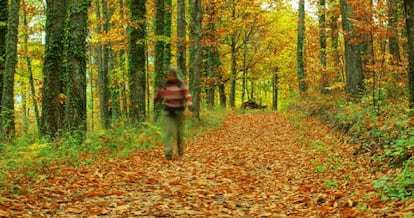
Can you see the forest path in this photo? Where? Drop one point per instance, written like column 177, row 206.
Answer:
column 255, row 165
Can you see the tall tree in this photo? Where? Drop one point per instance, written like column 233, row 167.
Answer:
column 76, row 86
column 29, row 65
column 393, row 30
column 181, row 38
column 159, row 49
column 300, row 48
column 234, row 51
column 167, row 32
column 4, row 9
column 334, row 12
column 103, row 73
column 196, row 55
column 7, row 100
column 353, row 60
column 322, row 45
column 137, row 57
column 53, row 97
column 213, row 57
column 97, row 56
column 409, row 16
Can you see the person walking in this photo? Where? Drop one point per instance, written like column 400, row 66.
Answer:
column 175, row 97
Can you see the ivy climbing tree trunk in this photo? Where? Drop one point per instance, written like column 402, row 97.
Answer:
column 137, row 57
column 181, row 38
column 409, row 15
column 77, row 58
column 4, row 11
column 196, row 53
column 353, row 60
column 53, row 98
column 7, row 100
column 300, row 48
column 159, row 50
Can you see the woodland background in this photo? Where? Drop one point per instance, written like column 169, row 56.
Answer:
column 73, row 73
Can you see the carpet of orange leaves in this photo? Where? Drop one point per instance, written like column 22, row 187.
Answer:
column 255, row 165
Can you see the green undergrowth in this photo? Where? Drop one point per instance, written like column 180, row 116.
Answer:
column 385, row 131
column 27, row 157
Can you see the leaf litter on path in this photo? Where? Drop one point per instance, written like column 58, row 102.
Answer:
column 254, row 165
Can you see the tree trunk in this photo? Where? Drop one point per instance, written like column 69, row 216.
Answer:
column 98, row 55
column 275, row 84
column 103, row 74
column 159, row 51
column 181, row 38
column 137, row 60
column 409, row 13
column 222, row 91
column 7, row 100
column 77, row 58
column 53, row 98
column 29, row 70
column 4, row 11
column 353, row 60
column 233, row 76
column 393, row 31
column 335, row 44
column 233, row 73
column 213, row 58
column 195, row 65
column 167, row 33
column 300, row 48
column 322, row 46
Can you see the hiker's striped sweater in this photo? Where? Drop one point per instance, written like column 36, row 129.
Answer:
column 174, row 94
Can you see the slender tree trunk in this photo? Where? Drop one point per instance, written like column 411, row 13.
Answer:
column 77, row 57
column 195, row 65
column 137, row 60
column 300, row 48
column 91, row 126
column 409, row 13
column 275, row 84
column 4, row 11
column 53, row 99
column 367, row 50
column 213, row 58
column 7, row 100
column 103, row 74
column 167, row 33
column 393, row 31
column 353, row 60
column 233, row 76
column 159, row 50
column 181, row 38
column 244, row 75
column 98, row 54
column 222, row 90
column 322, row 46
column 29, row 70
column 335, row 44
